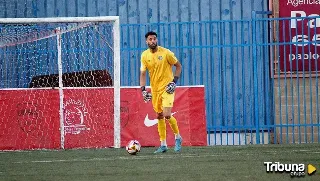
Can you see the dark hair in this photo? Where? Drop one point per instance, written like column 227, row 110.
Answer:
column 151, row 33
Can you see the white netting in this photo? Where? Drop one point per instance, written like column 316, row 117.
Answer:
column 34, row 59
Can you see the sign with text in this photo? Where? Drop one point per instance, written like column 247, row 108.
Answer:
column 299, row 36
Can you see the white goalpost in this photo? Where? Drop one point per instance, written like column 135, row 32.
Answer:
column 79, row 56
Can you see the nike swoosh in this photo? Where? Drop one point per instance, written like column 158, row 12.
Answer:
column 151, row 122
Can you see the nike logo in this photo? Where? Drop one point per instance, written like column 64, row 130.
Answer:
column 151, row 122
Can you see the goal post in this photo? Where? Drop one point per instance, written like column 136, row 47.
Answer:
column 79, row 51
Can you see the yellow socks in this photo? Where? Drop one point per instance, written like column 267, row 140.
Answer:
column 162, row 129
column 174, row 125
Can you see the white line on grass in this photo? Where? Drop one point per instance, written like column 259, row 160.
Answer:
column 138, row 157
column 301, row 150
column 291, row 151
column 164, row 156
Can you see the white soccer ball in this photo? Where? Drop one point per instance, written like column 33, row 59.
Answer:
column 133, row 147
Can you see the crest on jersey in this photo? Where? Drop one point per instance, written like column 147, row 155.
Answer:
column 160, row 57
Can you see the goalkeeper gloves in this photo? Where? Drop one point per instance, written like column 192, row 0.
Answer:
column 170, row 88
column 146, row 95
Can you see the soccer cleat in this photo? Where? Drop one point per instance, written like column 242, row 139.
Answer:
column 177, row 147
column 161, row 149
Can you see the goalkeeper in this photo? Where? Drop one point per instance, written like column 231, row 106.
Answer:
column 159, row 61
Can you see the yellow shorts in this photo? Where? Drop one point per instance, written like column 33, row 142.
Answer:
column 161, row 100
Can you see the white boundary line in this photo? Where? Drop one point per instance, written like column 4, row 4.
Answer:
column 173, row 156
column 138, row 157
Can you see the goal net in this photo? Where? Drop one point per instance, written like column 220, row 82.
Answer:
column 59, row 83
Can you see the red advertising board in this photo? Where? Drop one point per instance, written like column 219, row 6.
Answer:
column 30, row 118
column 139, row 119
column 300, row 35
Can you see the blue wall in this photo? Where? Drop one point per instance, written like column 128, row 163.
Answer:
column 135, row 11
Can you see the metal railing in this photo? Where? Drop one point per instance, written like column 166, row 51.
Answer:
column 251, row 97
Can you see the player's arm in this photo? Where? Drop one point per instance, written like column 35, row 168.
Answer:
column 172, row 60
column 143, row 79
column 143, row 69
column 177, row 72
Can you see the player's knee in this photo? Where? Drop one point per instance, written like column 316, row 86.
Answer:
column 160, row 115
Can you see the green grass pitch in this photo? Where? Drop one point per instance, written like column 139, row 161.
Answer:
column 193, row 163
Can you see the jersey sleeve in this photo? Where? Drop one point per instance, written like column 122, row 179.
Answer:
column 172, row 59
column 143, row 66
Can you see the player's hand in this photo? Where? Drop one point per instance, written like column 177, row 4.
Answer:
column 171, row 87
column 146, row 96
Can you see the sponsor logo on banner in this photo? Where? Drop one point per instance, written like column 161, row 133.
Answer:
column 124, row 110
column 151, row 122
column 296, row 3
column 28, row 116
column 302, row 33
column 75, row 114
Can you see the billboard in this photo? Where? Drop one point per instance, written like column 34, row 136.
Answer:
column 30, row 118
column 299, row 35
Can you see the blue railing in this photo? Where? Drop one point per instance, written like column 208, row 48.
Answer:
column 218, row 54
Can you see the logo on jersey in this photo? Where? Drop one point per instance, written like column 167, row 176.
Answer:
column 160, row 57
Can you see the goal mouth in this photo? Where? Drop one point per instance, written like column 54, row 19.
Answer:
column 60, row 53
column 84, row 49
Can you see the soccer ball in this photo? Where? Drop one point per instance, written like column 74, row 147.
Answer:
column 133, row 147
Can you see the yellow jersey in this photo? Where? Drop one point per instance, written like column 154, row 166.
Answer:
column 159, row 64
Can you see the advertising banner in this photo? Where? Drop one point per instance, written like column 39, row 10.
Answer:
column 299, row 35
column 31, row 119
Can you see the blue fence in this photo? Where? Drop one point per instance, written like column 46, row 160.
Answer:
column 222, row 56
column 296, row 45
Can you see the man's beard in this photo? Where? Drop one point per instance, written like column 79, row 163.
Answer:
column 153, row 46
